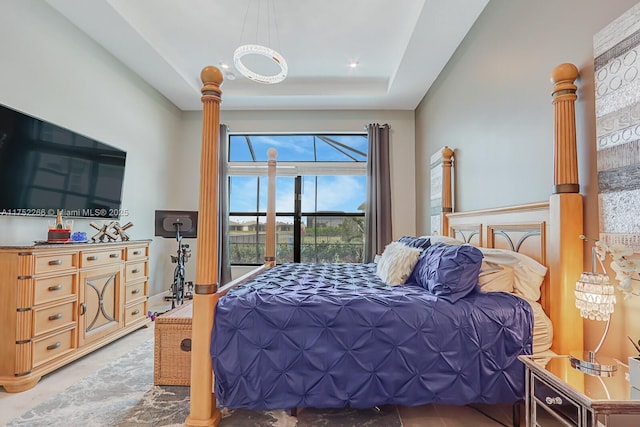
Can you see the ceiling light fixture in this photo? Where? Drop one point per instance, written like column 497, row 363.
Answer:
column 261, row 50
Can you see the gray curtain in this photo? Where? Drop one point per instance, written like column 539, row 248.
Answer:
column 377, row 214
column 223, row 203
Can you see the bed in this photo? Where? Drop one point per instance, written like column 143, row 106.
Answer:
column 544, row 231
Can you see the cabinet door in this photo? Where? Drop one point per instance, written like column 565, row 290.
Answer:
column 100, row 303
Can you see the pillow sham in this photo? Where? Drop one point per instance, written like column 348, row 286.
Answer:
column 416, row 242
column 448, row 272
column 495, row 278
column 396, row 263
column 528, row 274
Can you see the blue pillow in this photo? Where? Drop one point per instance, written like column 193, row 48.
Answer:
column 448, row 272
column 416, row 242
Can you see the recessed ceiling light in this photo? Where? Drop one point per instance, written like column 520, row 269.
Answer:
column 353, row 64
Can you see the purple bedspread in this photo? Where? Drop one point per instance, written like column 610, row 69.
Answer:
column 334, row 335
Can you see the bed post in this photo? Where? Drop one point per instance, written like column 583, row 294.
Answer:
column 447, row 190
column 270, row 247
column 566, row 217
column 203, row 411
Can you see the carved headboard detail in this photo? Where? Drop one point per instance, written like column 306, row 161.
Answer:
column 520, row 228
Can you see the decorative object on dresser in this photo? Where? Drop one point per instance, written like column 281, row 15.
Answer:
column 104, row 232
column 61, row 302
column 120, row 230
column 59, row 232
column 110, row 230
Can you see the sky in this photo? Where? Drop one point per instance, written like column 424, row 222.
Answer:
column 342, row 193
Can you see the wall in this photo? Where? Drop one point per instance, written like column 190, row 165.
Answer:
column 492, row 104
column 402, row 148
column 54, row 72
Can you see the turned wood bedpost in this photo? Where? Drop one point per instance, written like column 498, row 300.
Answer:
column 566, row 217
column 447, row 190
column 203, row 411
column 270, row 243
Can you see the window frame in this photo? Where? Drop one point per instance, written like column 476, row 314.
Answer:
column 297, row 170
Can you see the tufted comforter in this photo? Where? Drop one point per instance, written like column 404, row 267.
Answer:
column 334, row 335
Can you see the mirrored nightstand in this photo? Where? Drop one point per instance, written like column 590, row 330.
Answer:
column 559, row 395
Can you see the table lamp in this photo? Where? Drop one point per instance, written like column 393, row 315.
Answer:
column 595, row 298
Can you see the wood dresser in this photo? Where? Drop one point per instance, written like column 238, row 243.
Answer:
column 59, row 302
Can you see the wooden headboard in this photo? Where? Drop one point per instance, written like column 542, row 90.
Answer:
column 522, row 228
column 547, row 231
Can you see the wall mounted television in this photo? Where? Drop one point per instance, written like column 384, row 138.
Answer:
column 45, row 168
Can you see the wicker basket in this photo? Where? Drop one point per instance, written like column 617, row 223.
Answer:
column 171, row 363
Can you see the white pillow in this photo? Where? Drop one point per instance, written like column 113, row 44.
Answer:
column 528, row 273
column 396, row 263
column 495, row 278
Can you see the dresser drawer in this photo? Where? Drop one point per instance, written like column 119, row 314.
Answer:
column 135, row 291
column 53, row 288
column 54, row 262
column 52, row 318
column 91, row 259
column 135, row 253
column 51, row 347
column 135, row 271
column 135, row 312
column 553, row 408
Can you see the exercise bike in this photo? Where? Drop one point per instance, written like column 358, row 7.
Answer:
column 180, row 288
column 176, row 225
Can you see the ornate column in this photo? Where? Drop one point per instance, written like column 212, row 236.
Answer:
column 565, row 177
column 270, row 237
column 447, row 190
column 203, row 411
column 565, row 247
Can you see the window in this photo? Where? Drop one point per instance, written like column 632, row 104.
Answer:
column 320, row 196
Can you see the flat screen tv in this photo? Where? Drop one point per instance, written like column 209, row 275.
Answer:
column 45, row 168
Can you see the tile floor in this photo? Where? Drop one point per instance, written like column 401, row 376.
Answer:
column 15, row 404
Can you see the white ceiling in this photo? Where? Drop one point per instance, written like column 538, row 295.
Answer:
column 400, row 47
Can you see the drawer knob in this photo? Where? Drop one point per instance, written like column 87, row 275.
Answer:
column 55, row 262
column 135, row 291
column 134, row 312
column 56, row 316
column 553, row 400
column 92, row 258
column 136, row 252
column 135, row 270
column 54, row 346
column 114, row 255
column 55, row 288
